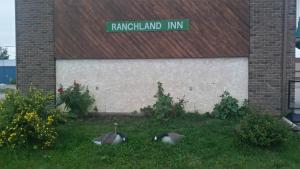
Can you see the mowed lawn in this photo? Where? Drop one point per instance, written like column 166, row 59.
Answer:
column 209, row 144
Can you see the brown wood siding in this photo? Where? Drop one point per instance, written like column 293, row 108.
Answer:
column 218, row 28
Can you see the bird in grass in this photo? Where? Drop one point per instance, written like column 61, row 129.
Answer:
column 169, row 138
column 111, row 138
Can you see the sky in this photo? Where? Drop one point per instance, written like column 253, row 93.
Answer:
column 7, row 26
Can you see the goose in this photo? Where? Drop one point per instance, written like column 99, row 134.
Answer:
column 169, row 138
column 111, row 138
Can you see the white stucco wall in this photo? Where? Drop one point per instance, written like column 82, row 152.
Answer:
column 127, row 85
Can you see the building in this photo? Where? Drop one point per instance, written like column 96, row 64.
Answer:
column 121, row 48
column 7, row 71
column 297, row 88
column 297, row 69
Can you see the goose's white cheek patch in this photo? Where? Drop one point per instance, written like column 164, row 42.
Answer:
column 98, row 142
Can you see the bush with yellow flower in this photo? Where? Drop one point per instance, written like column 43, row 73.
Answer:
column 28, row 120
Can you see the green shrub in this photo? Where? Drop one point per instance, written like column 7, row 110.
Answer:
column 164, row 107
column 245, row 109
column 147, row 111
column 5, row 90
column 13, row 81
column 29, row 129
column 58, row 116
column 261, row 130
column 228, row 107
column 27, row 119
column 178, row 107
column 15, row 102
column 77, row 99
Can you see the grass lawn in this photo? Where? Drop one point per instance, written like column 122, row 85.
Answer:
column 209, row 144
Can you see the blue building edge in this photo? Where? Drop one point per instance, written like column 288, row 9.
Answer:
column 7, row 71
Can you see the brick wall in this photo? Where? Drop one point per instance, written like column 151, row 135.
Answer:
column 292, row 10
column 268, row 76
column 35, row 44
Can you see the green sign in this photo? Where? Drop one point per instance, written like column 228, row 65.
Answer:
column 147, row 26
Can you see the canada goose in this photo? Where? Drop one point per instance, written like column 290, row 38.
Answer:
column 169, row 138
column 111, row 138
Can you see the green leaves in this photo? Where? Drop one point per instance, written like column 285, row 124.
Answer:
column 164, row 107
column 77, row 99
column 228, row 107
column 27, row 120
column 261, row 130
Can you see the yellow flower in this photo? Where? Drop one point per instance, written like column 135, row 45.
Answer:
column 31, row 116
column 50, row 120
column 11, row 137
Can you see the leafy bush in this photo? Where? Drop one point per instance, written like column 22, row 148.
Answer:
column 15, row 102
column 12, row 81
column 164, row 107
column 27, row 120
column 261, row 130
column 245, row 109
column 147, row 111
column 77, row 99
column 228, row 107
column 29, row 129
